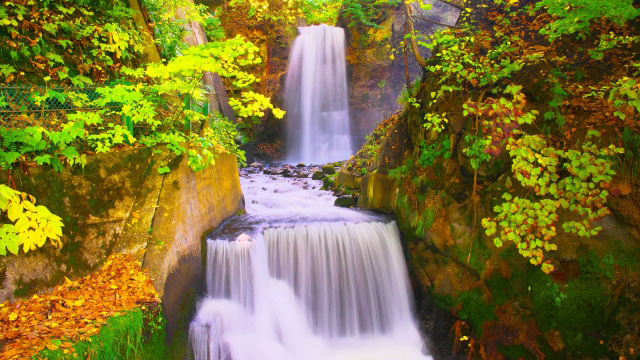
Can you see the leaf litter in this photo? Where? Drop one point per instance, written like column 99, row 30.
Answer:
column 75, row 310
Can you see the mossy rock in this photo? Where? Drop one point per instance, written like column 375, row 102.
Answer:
column 328, row 169
column 346, row 201
column 317, row 175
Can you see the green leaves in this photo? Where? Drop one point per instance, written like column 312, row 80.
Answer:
column 575, row 16
column 581, row 188
column 430, row 153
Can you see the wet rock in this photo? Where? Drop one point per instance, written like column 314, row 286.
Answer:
column 267, row 172
column 302, row 176
column 346, row 202
column 317, row 175
column 328, row 169
column 378, row 192
column 347, row 179
column 301, row 165
column 254, row 165
column 244, row 237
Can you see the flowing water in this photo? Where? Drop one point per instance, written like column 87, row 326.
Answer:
column 318, row 128
column 299, row 279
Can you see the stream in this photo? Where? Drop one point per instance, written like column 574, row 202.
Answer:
column 296, row 278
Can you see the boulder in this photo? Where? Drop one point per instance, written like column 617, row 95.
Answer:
column 317, row 175
column 328, row 169
column 346, row 201
column 378, row 192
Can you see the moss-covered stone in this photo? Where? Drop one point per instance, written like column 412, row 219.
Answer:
column 328, row 169
column 317, row 175
column 377, row 192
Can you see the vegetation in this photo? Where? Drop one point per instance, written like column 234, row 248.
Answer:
column 32, row 225
column 524, row 136
column 120, row 287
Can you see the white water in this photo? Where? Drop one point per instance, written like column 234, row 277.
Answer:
column 305, row 281
column 318, row 128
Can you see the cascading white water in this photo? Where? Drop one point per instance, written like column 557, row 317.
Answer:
column 350, row 277
column 299, row 286
column 316, row 99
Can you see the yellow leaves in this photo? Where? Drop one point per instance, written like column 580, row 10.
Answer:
column 14, row 210
column 278, row 113
column 13, row 316
column 33, row 224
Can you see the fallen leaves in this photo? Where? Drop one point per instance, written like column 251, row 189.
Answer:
column 75, row 310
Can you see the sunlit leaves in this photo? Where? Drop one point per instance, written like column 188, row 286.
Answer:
column 574, row 179
column 32, row 225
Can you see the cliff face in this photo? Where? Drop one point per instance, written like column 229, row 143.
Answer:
column 380, row 66
column 466, row 286
column 497, row 304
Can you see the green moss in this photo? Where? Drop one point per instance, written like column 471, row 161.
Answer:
column 23, row 288
column 515, row 352
column 479, row 255
column 475, row 310
column 443, row 301
column 180, row 342
column 580, row 309
column 500, row 287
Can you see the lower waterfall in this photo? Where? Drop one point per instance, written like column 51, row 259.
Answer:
column 327, row 290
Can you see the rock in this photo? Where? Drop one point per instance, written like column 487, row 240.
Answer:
column 244, row 237
column 301, row 165
column 285, row 171
column 346, row 201
column 378, row 192
column 345, row 178
column 267, row 172
column 328, row 169
column 554, row 339
column 254, row 165
column 317, row 175
column 302, row 176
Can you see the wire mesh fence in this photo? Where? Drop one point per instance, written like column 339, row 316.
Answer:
column 50, row 107
column 23, row 106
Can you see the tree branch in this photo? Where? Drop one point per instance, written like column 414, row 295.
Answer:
column 414, row 44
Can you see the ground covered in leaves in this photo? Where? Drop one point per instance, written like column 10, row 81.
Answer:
column 74, row 311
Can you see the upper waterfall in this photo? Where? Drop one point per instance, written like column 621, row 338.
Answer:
column 316, row 99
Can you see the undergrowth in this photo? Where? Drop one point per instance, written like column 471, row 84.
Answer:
column 137, row 335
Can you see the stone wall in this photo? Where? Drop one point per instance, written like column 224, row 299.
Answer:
column 120, row 204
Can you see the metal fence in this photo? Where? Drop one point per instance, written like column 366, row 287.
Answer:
column 24, row 106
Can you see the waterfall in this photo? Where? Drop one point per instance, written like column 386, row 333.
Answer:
column 316, row 99
column 298, row 279
column 350, row 277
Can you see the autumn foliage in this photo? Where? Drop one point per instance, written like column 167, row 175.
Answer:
column 75, row 310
